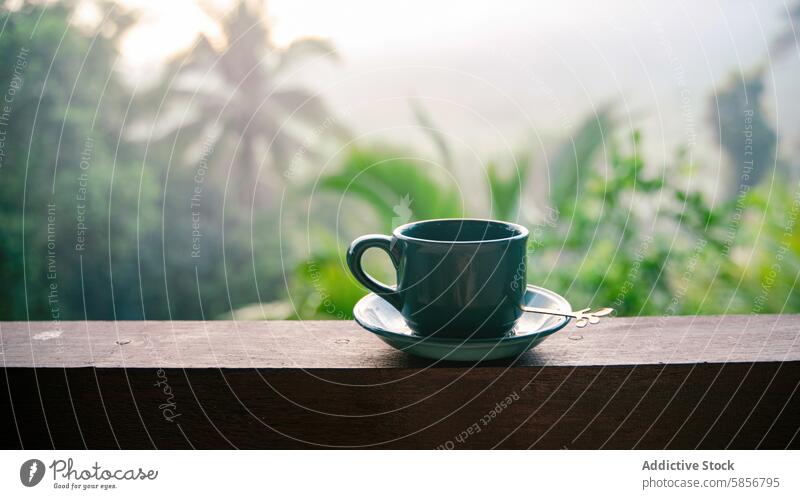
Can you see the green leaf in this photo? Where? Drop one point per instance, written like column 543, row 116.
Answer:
column 570, row 166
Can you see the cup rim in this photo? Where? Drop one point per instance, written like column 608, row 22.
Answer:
column 522, row 232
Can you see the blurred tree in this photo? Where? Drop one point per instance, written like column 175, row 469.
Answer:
column 233, row 99
column 89, row 226
column 741, row 120
column 744, row 132
column 789, row 39
column 67, row 212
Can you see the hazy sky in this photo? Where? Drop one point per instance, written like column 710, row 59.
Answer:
column 494, row 75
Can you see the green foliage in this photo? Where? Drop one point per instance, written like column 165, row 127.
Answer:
column 573, row 159
column 505, row 191
column 95, row 225
column 92, row 228
column 614, row 247
column 397, row 187
column 324, row 288
column 601, row 251
column 65, row 177
column 377, row 184
column 434, row 133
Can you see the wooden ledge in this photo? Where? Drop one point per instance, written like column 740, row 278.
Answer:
column 344, row 345
column 650, row 382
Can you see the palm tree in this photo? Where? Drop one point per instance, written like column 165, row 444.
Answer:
column 229, row 100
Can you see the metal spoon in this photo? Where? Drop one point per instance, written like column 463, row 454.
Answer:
column 582, row 317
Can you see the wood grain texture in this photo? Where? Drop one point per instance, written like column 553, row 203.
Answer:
column 344, row 345
column 680, row 382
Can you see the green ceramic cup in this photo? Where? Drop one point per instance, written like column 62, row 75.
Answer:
column 456, row 278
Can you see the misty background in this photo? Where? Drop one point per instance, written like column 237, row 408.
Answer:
column 213, row 159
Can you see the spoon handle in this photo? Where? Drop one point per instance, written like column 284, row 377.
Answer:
column 582, row 317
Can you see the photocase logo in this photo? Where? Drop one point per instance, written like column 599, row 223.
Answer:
column 31, row 472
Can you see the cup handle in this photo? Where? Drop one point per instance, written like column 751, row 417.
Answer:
column 354, row 254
